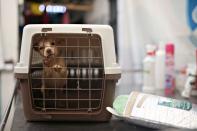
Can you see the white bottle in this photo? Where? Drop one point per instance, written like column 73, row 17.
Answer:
column 149, row 70
column 190, row 82
column 160, row 69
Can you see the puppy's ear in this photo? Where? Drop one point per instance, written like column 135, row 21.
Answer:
column 36, row 46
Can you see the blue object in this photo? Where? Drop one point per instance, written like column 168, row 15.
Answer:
column 192, row 13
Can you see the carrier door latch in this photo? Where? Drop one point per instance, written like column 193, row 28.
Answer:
column 88, row 30
column 46, row 29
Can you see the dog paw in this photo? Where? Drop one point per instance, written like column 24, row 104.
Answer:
column 57, row 68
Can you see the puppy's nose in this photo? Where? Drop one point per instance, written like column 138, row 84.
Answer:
column 49, row 51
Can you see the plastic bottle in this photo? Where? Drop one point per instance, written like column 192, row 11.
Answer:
column 149, row 70
column 170, row 73
column 190, row 82
column 160, row 69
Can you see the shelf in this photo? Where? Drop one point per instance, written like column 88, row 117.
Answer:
column 79, row 7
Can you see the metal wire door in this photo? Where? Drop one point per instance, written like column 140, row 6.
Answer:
column 84, row 80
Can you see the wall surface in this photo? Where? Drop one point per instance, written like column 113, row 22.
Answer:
column 150, row 22
column 9, row 45
column 9, row 21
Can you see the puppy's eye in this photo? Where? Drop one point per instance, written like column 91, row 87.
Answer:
column 41, row 48
column 52, row 43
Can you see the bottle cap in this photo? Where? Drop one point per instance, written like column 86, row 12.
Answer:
column 150, row 49
column 170, row 48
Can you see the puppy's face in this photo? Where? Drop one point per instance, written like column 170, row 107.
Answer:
column 46, row 48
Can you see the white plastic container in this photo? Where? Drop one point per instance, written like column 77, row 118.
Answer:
column 104, row 31
column 149, row 70
column 190, row 82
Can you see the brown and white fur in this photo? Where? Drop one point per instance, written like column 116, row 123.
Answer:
column 53, row 67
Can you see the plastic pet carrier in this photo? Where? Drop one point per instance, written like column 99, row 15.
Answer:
column 67, row 72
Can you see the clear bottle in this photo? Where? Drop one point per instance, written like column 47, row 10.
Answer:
column 149, row 70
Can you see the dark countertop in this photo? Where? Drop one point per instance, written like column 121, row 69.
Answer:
column 20, row 124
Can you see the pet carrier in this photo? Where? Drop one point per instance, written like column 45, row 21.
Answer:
column 67, row 72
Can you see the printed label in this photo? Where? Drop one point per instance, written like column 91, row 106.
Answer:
column 168, row 102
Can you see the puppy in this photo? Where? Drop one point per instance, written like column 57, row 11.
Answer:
column 53, row 64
